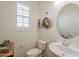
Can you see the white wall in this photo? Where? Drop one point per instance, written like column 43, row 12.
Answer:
column 52, row 35
column 9, row 31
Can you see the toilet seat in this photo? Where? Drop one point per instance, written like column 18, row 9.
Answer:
column 33, row 52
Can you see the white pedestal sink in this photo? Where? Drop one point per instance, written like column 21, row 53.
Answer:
column 63, row 51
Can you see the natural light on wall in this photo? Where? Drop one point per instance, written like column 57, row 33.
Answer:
column 22, row 15
column 56, row 3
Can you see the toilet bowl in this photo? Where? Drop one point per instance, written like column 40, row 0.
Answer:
column 34, row 52
column 37, row 52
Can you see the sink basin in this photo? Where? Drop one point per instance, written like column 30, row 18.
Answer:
column 63, row 51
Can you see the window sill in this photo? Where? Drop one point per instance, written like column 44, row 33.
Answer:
column 21, row 29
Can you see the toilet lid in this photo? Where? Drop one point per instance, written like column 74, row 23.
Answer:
column 33, row 52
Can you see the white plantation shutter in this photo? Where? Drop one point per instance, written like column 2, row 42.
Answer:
column 22, row 15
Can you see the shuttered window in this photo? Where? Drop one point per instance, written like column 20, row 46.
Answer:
column 22, row 15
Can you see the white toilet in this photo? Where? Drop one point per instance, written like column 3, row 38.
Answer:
column 37, row 52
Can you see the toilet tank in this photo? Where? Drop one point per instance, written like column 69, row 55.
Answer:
column 41, row 45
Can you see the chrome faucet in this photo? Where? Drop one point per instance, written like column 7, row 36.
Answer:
column 65, row 42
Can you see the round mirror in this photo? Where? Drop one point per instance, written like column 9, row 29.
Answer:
column 68, row 21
